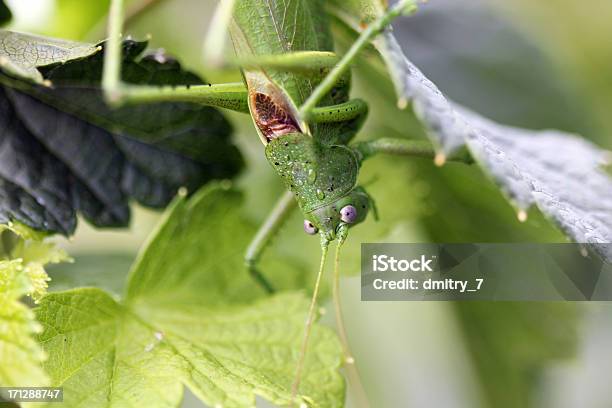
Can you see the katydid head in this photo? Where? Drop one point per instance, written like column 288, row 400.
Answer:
column 323, row 179
column 333, row 220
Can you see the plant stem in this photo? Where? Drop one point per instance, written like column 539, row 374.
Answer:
column 351, row 368
column 368, row 34
column 309, row 321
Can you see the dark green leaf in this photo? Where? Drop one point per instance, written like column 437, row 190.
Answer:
column 64, row 151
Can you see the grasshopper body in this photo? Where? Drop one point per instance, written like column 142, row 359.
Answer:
column 312, row 158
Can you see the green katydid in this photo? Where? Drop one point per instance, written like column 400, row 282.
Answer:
column 296, row 91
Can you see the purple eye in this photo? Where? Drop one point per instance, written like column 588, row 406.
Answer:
column 348, row 214
column 309, row 228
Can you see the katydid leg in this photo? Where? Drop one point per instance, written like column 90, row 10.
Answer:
column 297, row 62
column 232, row 96
column 406, row 147
column 374, row 29
column 111, row 77
column 266, row 232
column 343, row 112
column 346, row 118
column 229, row 96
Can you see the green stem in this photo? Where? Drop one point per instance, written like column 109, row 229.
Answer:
column 111, row 80
column 406, row 147
column 366, row 36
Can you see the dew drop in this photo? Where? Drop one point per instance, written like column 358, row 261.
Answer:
column 149, row 347
column 312, row 176
column 320, row 194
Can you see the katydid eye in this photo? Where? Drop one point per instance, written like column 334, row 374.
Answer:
column 309, row 228
column 348, row 214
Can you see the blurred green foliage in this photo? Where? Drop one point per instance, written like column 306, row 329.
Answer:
column 82, row 16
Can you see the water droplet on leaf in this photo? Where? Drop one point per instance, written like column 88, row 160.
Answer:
column 312, row 176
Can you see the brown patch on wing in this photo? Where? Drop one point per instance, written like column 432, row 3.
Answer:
column 272, row 119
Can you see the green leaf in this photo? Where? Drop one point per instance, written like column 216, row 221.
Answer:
column 560, row 173
column 20, row 354
column 23, row 274
column 191, row 316
column 21, row 54
column 64, row 151
column 200, row 244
